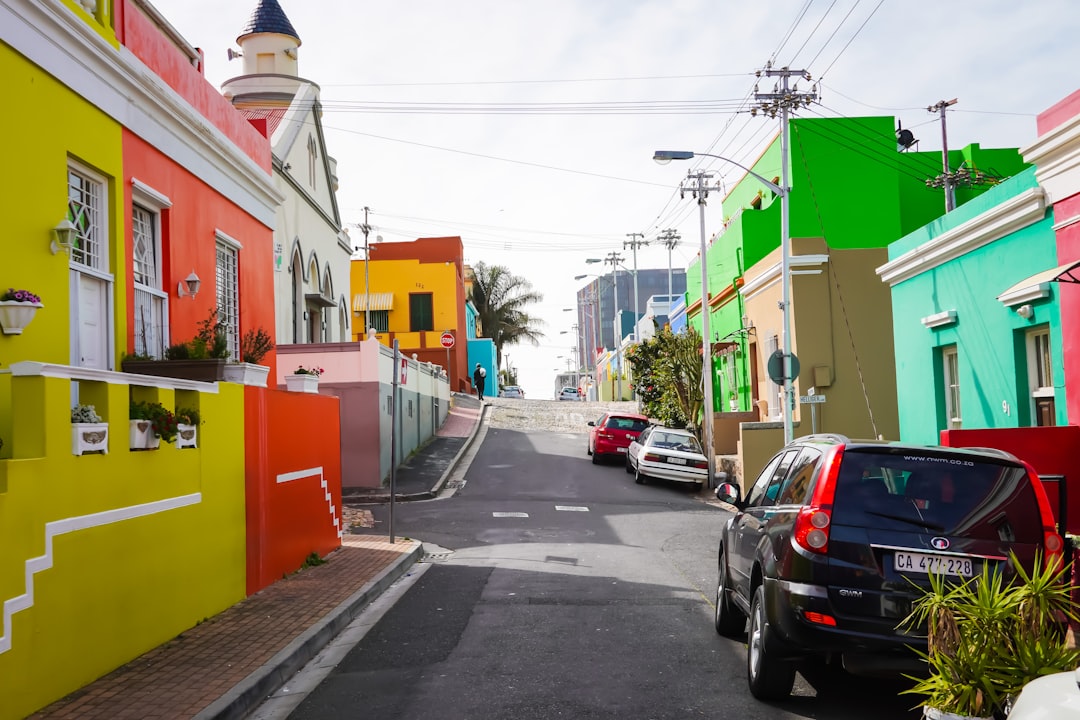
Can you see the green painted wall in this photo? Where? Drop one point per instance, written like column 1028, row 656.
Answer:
column 989, row 337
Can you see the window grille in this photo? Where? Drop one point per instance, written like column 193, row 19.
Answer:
column 228, row 297
column 85, row 211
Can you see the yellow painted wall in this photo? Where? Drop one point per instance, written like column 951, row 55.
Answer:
column 52, row 125
column 101, row 20
column 111, row 588
column 404, row 277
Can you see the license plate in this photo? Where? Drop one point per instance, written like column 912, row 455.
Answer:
column 677, row 461
column 622, row 450
column 937, row 564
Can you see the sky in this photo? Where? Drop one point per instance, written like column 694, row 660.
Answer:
column 528, row 128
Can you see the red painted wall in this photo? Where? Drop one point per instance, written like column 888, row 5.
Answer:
column 189, row 243
column 146, row 41
column 290, row 514
column 1049, row 450
column 1058, row 113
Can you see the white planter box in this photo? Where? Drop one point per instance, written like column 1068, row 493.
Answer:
column 186, row 436
column 141, row 436
column 89, row 437
column 247, row 374
column 14, row 315
column 302, row 383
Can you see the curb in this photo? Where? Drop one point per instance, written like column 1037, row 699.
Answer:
column 377, row 499
column 253, row 690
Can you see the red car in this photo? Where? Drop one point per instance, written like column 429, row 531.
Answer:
column 613, row 433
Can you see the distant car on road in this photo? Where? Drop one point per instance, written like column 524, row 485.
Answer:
column 512, row 391
column 612, row 434
column 666, row 453
column 569, row 393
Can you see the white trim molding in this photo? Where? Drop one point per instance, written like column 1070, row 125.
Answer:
column 146, row 195
column 771, row 275
column 74, row 524
column 1056, row 156
column 317, row 472
column 999, row 221
column 940, row 319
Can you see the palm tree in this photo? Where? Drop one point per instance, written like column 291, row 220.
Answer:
column 501, row 300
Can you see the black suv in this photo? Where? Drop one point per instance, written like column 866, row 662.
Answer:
column 835, row 538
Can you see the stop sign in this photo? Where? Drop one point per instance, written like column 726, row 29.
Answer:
column 447, row 340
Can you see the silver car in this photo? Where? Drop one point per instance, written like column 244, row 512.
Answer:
column 569, row 393
column 667, row 454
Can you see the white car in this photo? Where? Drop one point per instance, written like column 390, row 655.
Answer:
column 512, row 391
column 667, row 454
column 569, row 393
column 1051, row 697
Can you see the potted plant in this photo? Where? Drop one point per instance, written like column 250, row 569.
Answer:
column 88, row 432
column 254, row 346
column 141, row 421
column 987, row 638
column 17, row 309
column 304, row 379
column 187, row 426
column 201, row 358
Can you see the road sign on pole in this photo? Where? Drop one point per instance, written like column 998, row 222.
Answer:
column 447, row 339
column 811, row 399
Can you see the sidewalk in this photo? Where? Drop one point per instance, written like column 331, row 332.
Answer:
column 227, row 666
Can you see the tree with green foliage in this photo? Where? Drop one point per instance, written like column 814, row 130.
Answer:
column 667, row 377
column 502, row 300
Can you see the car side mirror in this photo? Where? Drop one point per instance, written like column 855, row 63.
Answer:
column 592, row 424
column 729, row 493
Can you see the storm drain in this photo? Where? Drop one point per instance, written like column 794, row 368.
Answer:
column 433, row 553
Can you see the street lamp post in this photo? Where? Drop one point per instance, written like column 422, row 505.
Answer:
column 665, row 156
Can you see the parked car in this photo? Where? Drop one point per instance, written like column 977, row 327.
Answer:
column 1050, row 697
column 512, row 391
column 667, row 454
column 612, row 434
column 569, row 393
column 835, row 538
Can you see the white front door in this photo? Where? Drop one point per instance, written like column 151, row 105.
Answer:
column 90, row 326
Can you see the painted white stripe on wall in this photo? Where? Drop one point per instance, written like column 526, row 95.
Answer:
column 313, row 472
column 74, row 524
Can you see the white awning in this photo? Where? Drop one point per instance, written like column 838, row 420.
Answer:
column 1035, row 287
column 378, row 301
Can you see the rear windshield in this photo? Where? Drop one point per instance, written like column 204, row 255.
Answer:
column 952, row 496
column 624, row 423
column 675, row 441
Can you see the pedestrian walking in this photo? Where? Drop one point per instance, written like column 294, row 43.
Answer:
column 478, row 381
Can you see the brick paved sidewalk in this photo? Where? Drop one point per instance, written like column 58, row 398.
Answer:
column 226, row 666
column 465, row 411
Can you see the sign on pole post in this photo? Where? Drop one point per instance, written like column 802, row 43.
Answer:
column 813, row 401
column 447, row 340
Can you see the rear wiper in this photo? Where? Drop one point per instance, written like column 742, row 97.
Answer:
column 910, row 520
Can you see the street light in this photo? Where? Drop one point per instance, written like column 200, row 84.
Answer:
column 663, row 157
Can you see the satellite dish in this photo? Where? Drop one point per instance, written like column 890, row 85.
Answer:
column 904, row 138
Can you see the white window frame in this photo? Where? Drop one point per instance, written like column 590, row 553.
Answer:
column 313, row 155
column 1040, row 366
column 772, row 344
column 227, row 276
column 950, row 374
column 149, row 200
column 96, row 234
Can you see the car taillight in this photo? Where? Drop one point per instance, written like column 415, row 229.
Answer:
column 820, row 618
column 700, row 464
column 652, row 457
column 811, row 531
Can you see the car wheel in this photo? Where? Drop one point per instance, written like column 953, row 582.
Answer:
column 728, row 619
column 768, row 677
column 629, row 467
column 639, row 477
column 595, row 458
column 588, row 448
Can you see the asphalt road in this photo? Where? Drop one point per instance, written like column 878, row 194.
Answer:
column 561, row 589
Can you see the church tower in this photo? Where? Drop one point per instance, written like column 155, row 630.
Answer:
column 270, row 48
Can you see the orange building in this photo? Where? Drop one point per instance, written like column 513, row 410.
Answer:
column 415, row 293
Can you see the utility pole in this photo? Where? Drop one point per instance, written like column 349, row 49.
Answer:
column 367, row 290
column 615, row 259
column 636, row 240
column 945, row 180
column 670, row 239
column 783, row 100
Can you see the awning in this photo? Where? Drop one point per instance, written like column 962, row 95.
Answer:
column 378, row 301
column 1070, row 273
column 1038, row 285
column 319, row 299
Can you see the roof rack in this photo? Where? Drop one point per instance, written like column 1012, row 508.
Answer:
column 834, row 437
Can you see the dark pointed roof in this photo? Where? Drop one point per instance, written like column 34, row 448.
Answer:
column 268, row 17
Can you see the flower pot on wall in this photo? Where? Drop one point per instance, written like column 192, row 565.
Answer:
column 247, row 374
column 302, row 383
column 15, row 315
column 204, row 370
column 89, row 438
column 186, row 436
column 142, row 436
